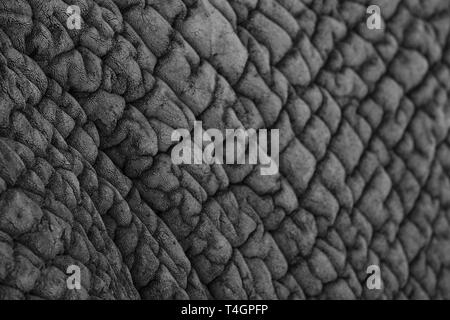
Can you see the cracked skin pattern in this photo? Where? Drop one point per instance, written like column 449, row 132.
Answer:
column 85, row 170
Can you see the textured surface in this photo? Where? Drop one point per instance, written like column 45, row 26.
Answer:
column 86, row 176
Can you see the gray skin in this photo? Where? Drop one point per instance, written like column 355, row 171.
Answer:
column 86, row 176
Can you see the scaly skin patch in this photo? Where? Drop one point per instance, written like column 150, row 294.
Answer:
column 86, row 176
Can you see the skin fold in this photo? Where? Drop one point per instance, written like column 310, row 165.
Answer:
column 86, row 177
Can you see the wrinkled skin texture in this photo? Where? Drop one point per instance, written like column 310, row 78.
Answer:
column 86, row 176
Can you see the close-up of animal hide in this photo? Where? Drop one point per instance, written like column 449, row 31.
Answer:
column 224, row 149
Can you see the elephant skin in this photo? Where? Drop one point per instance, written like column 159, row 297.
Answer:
column 86, row 176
